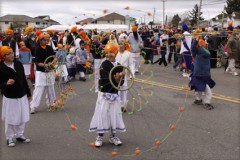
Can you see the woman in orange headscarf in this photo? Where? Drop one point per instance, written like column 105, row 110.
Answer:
column 15, row 89
column 106, row 116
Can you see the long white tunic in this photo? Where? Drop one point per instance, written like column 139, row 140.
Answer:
column 125, row 59
column 15, row 111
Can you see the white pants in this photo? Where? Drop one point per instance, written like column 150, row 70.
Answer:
column 207, row 97
column 11, row 130
column 37, row 95
column 231, row 65
column 136, row 61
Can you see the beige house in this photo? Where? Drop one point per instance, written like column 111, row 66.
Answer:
column 86, row 21
column 21, row 21
column 115, row 18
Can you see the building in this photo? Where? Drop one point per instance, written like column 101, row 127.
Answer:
column 19, row 22
column 47, row 19
column 115, row 18
column 222, row 20
column 86, row 21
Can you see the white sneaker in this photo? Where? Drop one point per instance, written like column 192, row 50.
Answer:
column 185, row 75
column 99, row 141
column 235, row 74
column 32, row 111
column 115, row 140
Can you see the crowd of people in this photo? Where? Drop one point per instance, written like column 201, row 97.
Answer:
column 35, row 55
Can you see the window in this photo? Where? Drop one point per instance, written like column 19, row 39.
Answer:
column 37, row 23
column 6, row 22
column 26, row 23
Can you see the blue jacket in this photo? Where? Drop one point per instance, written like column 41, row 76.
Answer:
column 201, row 60
column 61, row 56
column 25, row 57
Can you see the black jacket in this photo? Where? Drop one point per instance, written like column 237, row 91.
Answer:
column 42, row 55
column 20, row 88
column 104, row 82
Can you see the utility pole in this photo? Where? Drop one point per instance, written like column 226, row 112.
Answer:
column 199, row 11
column 164, row 13
column 144, row 20
column 153, row 14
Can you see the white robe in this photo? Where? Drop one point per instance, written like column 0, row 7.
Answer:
column 15, row 111
column 126, row 60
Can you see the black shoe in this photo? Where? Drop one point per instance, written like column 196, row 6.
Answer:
column 23, row 140
column 198, row 102
column 209, row 106
column 82, row 79
column 10, row 143
column 123, row 109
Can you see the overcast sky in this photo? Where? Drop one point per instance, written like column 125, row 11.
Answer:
column 70, row 11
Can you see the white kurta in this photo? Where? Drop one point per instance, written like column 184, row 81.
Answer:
column 126, row 60
column 26, row 69
column 44, row 79
column 62, row 70
column 15, row 111
column 107, row 115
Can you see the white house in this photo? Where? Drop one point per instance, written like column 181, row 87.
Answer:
column 21, row 21
column 223, row 20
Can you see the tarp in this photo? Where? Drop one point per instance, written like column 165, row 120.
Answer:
column 100, row 27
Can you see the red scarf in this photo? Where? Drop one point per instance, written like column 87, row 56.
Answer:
column 25, row 50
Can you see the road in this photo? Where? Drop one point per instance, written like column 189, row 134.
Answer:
column 200, row 134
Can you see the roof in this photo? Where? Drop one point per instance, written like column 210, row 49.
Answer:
column 87, row 20
column 111, row 16
column 47, row 20
column 19, row 18
column 41, row 17
column 237, row 16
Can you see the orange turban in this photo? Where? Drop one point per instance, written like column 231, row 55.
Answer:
column 21, row 43
column 74, row 29
column 112, row 48
column 9, row 31
column 38, row 32
column 50, row 32
column 28, row 29
column 41, row 36
column 82, row 33
column 3, row 51
column 230, row 23
column 134, row 28
column 60, row 46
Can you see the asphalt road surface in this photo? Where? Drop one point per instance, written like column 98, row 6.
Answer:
column 200, row 134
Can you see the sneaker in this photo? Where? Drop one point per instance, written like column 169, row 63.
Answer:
column 115, row 140
column 209, row 106
column 32, row 111
column 82, row 79
column 99, row 141
column 10, row 143
column 198, row 102
column 235, row 74
column 22, row 139
column 123, row 109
